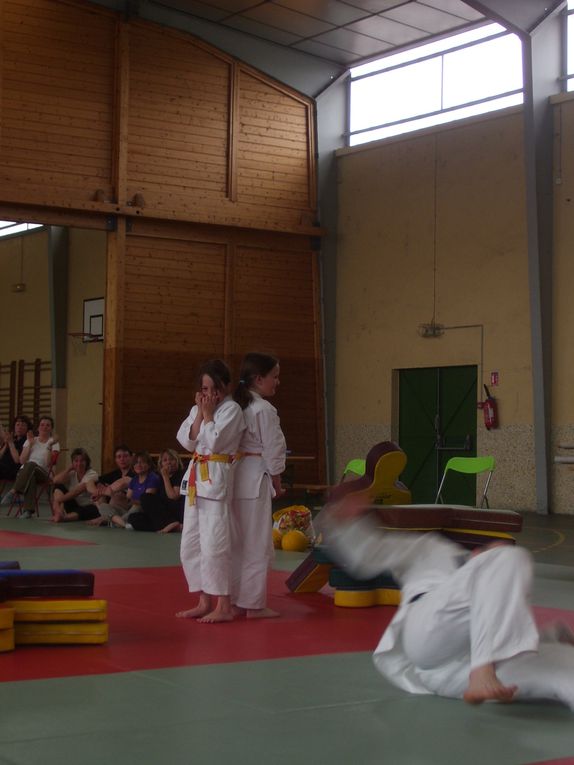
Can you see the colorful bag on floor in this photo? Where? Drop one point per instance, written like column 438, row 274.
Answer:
column 292, row 518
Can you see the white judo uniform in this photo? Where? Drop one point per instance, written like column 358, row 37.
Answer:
column 457, row 613
column 263, row 445
column 205, row 550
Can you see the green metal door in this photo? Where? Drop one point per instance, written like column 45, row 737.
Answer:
column 437, row 421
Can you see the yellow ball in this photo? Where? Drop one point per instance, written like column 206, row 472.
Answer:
column 277, row 537
column 294, row 541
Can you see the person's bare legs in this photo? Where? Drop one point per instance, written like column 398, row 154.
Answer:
column 202, row 608
column 484, row 685
column 221, row 613
column 58, row 509
column 65, row 517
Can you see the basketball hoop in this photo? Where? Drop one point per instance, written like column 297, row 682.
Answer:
column 80, row 340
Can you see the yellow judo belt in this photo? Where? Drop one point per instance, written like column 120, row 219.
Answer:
column 203, row 460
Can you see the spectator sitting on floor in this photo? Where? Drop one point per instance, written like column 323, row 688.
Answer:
column 74, row 486
column 145, row 481
column 38, row 456
column 111, row 489
column 11, row 444
column 163, row 512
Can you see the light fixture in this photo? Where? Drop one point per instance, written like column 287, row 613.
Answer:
column 432, row 329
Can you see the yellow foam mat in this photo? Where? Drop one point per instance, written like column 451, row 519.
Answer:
column 383, row 596
column 44, row 610
column 388, row 597
column 6, row 640
column 483, row 533
column 60, row 634
column 6, row 617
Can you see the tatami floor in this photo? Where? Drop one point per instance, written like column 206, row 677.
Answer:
column 301, row 688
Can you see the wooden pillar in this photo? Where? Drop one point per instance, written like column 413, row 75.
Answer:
column 112, row 426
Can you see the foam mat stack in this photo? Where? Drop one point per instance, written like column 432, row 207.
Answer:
column 54, row 607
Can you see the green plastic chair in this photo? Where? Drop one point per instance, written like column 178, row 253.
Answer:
column 358, row 467
column 470, row 466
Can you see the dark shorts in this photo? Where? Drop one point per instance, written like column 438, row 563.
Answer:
column 85, row 512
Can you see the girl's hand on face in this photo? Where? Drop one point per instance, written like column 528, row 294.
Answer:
column 209, row 402
column 198, row 398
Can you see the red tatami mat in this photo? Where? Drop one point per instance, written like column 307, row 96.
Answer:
column 144, row 633
column 23, row 539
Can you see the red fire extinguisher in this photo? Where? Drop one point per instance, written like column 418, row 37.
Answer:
column 490, row 411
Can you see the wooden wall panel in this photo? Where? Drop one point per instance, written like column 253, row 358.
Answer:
column 178, row 120
column 174, row 306
column 57, row 101
column 114, row 121
column 194, row 293
column 273, row 146
column 113, row 116
column 275, row 311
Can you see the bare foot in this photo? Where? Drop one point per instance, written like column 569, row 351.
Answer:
column 175, row 526
column 59, row 516
column 237, row 611
column 261, row 613
column 484, row 685
column 215, row 616
column 194, row 613
column 96, row 521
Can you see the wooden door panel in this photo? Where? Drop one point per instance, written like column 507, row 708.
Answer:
column 437, row 420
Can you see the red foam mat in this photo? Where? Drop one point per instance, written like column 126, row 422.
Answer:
column 23, row 539
column 144, row 633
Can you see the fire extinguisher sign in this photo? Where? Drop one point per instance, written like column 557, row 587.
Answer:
column 494, row 378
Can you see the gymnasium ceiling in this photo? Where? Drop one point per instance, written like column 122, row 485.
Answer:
column 347, row 32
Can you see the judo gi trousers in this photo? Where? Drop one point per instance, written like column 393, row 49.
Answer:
column 252, row 549
column 205, row 546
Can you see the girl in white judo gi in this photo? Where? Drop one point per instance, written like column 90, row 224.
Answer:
column 464, row 628
column 257, row 479
column 212, row 431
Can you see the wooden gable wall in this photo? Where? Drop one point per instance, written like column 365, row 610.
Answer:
column 126, row 117
column 203, row 171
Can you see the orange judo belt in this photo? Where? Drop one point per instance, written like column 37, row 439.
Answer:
column 203, row 461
